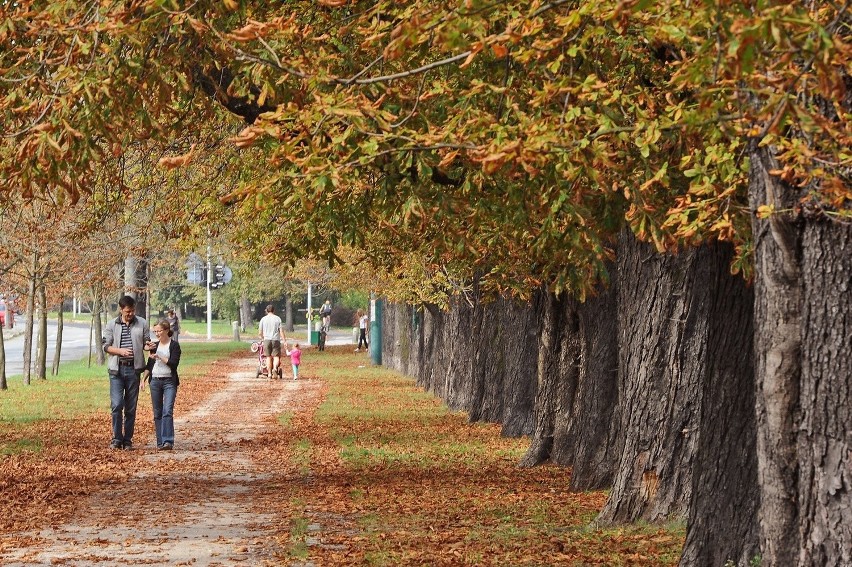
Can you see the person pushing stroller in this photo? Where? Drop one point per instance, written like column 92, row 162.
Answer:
column 269, row 330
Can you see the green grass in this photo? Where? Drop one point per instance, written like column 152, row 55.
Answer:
column 80, row 389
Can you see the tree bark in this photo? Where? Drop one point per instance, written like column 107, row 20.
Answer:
column 824, row 440
column 778, row 349
column 41, row 350
column 552, row 392
column 3, row 384
column 97, row 327
column 597, row 440
column 722, row 523
column 60, row 324
column 288, row 313
column 245, row 314
column 30, row 318
column 662, row 341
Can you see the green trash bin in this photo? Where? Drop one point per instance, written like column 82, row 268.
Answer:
column 314, row 338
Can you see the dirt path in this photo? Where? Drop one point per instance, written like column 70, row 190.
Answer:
column 193, row 506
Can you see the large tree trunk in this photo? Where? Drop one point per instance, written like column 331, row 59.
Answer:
column 662, row 342
column 722, row 523
column 594, row 429
column 555, row 371
column 567, row 377
column 825, row 429
column 777, row 343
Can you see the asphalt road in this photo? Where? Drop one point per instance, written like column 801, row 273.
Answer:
column 75, row 346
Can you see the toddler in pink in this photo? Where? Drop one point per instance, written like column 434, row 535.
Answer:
column 295, row 359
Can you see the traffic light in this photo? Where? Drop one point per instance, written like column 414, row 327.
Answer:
column 218, row 277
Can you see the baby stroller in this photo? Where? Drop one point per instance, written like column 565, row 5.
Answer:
column 257, row 347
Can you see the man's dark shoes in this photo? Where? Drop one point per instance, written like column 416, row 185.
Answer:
column 128, row 446
column 115, row 445
column 165, row 447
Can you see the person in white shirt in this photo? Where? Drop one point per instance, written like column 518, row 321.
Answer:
column 270, row 333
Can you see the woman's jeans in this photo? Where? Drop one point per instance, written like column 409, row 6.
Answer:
column 163, row 393
column 123, row 396
column 362, row 339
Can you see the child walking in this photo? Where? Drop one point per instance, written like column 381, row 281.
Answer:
column 295, row 359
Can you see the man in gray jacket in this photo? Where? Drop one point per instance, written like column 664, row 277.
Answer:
column 125, row 340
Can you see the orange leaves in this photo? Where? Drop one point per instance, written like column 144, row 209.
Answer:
column 332, row 3
column 250, row 32
column 172, row 162
column 246, row 137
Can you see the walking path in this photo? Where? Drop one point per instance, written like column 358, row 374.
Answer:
column 193, row 506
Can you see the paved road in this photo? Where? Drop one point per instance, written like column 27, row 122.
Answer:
column 75, row 345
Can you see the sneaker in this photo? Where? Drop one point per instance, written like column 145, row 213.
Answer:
column 114, row 445
column 128, row 445
column 165, row 447
column 357, row 350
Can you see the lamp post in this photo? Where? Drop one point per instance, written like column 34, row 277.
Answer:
column 209, row 299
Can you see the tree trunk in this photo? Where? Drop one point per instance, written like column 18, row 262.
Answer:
column 550, row 398
column 245, row 314
column 97, row 327
column 41, row 350
column 825, row 429
column 60, row 324
column 30, row 318
column 722, row 523
column 594, row 429
column 778, row 349
column 288, row 313
column 662, row 342
column 567, row 380
column 3, row 384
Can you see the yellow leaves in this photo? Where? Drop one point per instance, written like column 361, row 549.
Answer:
column 232, row 5
column 177, row 161
column 764, row 211
column 332, row 3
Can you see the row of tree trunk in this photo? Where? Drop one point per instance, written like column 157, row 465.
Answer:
column 688, row 393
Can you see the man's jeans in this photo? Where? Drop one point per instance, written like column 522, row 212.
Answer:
column 123, row 396
column 163, row 393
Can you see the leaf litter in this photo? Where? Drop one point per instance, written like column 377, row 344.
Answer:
column 366, row 471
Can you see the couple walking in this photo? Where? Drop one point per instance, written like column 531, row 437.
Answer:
column 125, row 340
column 273, row 337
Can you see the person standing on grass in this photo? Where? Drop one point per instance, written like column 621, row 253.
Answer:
column 270, row 333
column 295, row 359
column 163, row 366
column 362, row 330
column 174, row 324
column 124, row 341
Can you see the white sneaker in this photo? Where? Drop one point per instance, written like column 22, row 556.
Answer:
column 357, row 350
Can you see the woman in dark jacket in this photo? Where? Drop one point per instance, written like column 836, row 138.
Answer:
column 164, row 357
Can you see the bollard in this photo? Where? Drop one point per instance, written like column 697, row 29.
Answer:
column 235, row 325
column 376, row 330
